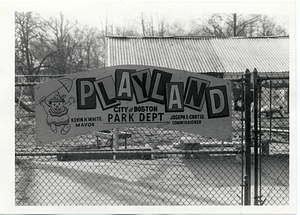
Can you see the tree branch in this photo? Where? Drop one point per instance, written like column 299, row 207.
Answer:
column 41, row 63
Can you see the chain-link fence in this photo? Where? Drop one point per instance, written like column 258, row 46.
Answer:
column 274, row 139
column 152, row 166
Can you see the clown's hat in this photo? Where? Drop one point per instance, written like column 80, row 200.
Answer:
column 56, row 98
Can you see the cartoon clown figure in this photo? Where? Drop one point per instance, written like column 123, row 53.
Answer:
column 57, row 112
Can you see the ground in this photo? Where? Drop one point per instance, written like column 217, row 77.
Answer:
column 209, row 180
column 171, row 181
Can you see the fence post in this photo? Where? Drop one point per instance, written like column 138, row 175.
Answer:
column 247, row 108
column 115, row 142
column 255, row 127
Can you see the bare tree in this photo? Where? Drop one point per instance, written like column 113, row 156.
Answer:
column 60, row 38
column 240, row 25
column 281, row 31
column 267, row 26
column 30, row 53
column 222, row 25
column 161, row 27
column 214, row 26
column 143, row 24
column 147, row 25
column 89, row 47
column 175, row 29
column 151, row 25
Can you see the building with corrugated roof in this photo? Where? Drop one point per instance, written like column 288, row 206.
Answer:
column 219, row 56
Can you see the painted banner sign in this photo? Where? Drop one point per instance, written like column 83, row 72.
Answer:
column 133, row 95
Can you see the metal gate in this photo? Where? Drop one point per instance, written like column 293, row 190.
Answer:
column 153, row 166
column 266, row 139
column 273, row 139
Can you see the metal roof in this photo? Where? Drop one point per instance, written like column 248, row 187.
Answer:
column 201, row 54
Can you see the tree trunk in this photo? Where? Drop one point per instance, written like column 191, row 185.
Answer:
column 234, row 24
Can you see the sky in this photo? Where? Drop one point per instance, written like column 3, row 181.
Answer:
column 93, row 13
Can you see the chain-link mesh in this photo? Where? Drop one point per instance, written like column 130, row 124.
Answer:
column 151, row 166
column 274, row 140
